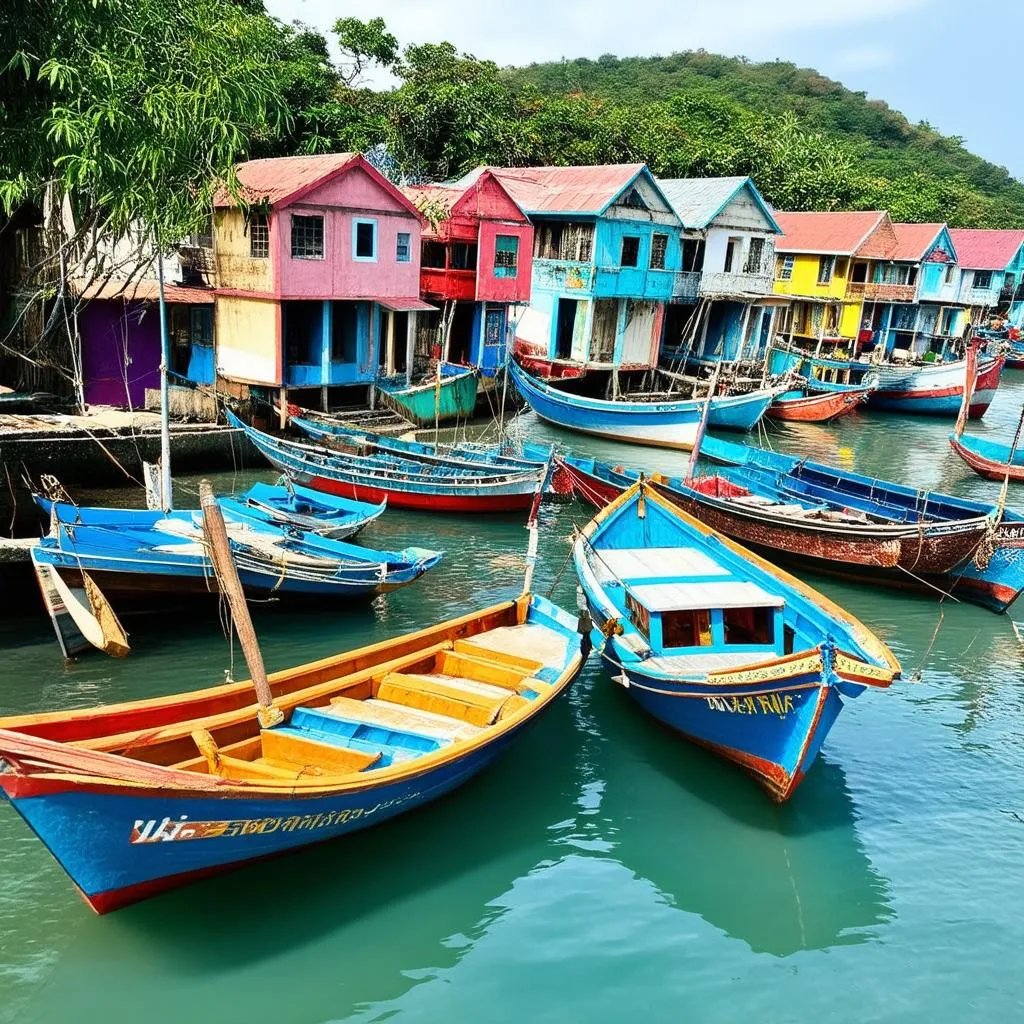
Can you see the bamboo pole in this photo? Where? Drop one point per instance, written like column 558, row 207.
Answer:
column 268, row 714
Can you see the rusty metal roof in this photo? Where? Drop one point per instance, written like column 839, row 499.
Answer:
column 279, row 179
column 580, row 190
column 146, row 290
column 984, row 248
column 913, row 241
column 698, row 201
column 829, row 233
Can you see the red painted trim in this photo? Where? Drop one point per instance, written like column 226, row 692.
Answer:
column 424, row 502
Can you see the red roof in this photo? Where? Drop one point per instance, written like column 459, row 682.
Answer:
column 913, row 241
column 146, row 290
column 584, row 190
column 286, row 179
column 278, row 179
column 985, row 249
column 830, row 233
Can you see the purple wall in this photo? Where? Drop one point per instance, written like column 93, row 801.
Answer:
column 111, row 331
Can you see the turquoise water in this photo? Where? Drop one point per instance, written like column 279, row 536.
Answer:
column 603, row 870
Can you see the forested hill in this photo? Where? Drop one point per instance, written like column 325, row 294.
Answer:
column 886, row 146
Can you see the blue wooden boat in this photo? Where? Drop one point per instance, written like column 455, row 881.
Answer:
column 136, row 553
column 990, row 459
column 133, row 799
column 669, row 423
column 409, row 485
column 450, row 396
column 464, row 455
column 301, row 508
column 993, row 575
column 719, row 644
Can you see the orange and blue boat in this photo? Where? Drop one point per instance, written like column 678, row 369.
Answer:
column 134, row 799
column 719, row 644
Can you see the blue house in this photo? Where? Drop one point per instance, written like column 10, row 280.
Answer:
column 606, row 253
column 722, row 302
column 991, row 272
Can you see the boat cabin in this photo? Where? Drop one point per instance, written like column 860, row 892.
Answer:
column 685, row 604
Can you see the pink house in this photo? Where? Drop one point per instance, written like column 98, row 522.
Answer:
column 477, row 260
column 318, row 277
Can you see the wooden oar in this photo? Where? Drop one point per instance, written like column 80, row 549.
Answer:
column 268, row 713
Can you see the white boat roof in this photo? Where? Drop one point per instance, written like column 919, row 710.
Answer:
column 688, row 596
column 658, row 563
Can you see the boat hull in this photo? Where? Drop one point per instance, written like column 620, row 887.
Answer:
column 437, row 501
column 990, row 469
column 817, row 407
column 938, row 390
column 427, row 404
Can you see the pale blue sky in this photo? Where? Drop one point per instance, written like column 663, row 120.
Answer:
column 949, row 62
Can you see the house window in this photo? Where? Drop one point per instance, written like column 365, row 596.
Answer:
column 948, row 322
column 559, row 240
column 950, row 267
column 693, row 254
column 259, row 236
column 364, row 240
column 630, row 251
column 659, row 245
column 982, row 280
column 634, row 200
column 860, row 273
column 755, row 256
column 307, row 238
column 826, row 268
column 506, row 255
column 731, row 248
column 463, row 256
column 403, row 249
column 785, row 271
column 433, row 255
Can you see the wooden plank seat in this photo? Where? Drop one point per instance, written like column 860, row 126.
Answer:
column 454, row 698
column 348, row 728
column 531, row 646
column 399, row 717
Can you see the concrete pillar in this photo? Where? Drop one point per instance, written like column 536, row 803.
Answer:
column 389, row 351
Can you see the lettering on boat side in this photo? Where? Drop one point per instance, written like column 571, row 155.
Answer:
column 763, row 704
column 168, row 831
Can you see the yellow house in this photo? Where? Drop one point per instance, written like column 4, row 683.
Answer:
column 817, row 265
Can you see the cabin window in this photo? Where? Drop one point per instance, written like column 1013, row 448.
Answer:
column 732, row 247
column 785, row 269
column 693, row 254
column 639, row 616
column 403, row 248
column 259, row 236
column 463, row 256
column 826, row 268
column 982, row 280
column 659, row 246
column 749, row 625
column 307, row 237
column 630, row 251
column 364, row 240
column 433, row 255
column 506, row 255
column 691, row 628
column 755, row 257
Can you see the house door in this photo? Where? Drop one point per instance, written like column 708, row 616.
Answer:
column 493, row 354
column 565, row 323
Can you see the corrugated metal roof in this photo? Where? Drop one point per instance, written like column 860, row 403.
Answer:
column 581, row 190
column 984, row 248
column 280, row 178
column 831, row 233
column 913, row 241
column 146, row 291
column 697, row 201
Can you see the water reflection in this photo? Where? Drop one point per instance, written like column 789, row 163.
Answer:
column 782, row 879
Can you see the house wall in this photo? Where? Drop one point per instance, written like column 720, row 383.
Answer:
column 236, row 269
column 490, row 288
column 248, row 333
column 972, row 296
column 640, row 282
column 338, row 275
column 804, row 280
column 120, row 352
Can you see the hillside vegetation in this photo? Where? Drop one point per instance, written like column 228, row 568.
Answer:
column 895, row 159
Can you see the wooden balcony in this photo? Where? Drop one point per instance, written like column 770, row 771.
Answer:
column 725, row 284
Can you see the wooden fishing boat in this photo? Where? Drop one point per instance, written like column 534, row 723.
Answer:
column 449, row 396
column 993, row 576
column 813, row 405
column 466, row 455
column 925, row 388
column 719, row 644
column 810, row 531
column 136, row 553
column 668, row 423
column 133, row 799
column 435, row 488
column 1015, row 355
column 303, row 509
